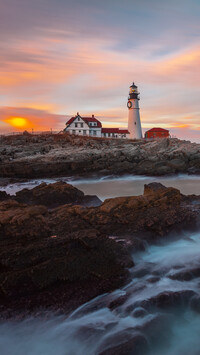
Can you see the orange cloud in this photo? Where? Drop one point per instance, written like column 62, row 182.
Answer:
column 181, row 67
column 49, row 63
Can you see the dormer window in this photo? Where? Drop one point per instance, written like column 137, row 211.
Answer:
column 78, row 118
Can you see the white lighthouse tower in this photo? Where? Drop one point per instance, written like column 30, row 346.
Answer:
column 134, row 124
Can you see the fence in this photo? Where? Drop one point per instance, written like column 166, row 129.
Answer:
column 19, row 133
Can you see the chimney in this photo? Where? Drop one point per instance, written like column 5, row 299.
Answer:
column 92, row 116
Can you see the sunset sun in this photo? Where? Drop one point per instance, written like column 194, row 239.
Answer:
column 18, row 122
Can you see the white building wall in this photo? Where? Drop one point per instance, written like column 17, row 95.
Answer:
column 109, row 135
column 95, row 132
column 78, row 127
column 123, row 135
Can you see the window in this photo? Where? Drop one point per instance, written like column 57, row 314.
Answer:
column 94, row 133
column 84, row 132
column 104, row 134
column 94, row 123
column 90, row 123
column 76, row 124
column 79, row 131
column 108, row 134
column 78, row 118
column 81, row 124
column 73, row 131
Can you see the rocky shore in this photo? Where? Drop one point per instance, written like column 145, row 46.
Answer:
column 27, row 156
column 60, row 248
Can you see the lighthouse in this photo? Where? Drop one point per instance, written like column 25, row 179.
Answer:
column 134, row 124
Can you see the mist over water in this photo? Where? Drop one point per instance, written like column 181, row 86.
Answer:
column 89, row 329
column 107, row 187
column 131, row 185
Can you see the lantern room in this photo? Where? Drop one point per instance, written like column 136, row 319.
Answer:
column 133, row 92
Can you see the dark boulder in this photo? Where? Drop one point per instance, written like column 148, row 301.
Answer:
column 153, row 187
column 56, row 194
column 195, row 303
column 22, row 222
column 139, row 312
column 186, row 274
column 117, row 302
column 169, row 299
column 38, row 267
column 125, row 342
column 164, row 300
column 153, row 279
column 4, row 196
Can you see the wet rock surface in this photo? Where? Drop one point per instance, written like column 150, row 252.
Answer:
column 126, row 342
column 168, row 299
column 27, row 156
column 149, row 216
column 195, row 303
column 60, row 257
column 186, row 275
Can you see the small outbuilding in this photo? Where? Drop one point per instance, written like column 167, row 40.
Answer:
column 157, row 133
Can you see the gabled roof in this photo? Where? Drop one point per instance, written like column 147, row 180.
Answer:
column 92, row 119
column 86, row 120
column 70, row 120
column 115, row 130
column 157, row 129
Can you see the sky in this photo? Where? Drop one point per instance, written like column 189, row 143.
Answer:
column 59, row 57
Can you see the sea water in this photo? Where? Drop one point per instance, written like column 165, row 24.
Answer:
column 110, row 186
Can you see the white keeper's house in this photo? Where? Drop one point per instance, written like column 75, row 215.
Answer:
column 90, row 126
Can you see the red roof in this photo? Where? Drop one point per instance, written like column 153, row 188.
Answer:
column 70, row 120
column 156, row 129
column 92, row 119
column 115, row 130
column 124, row 131
column 87, row 120
column 110, row 130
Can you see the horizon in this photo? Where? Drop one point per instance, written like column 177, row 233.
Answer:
column 59, row 57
